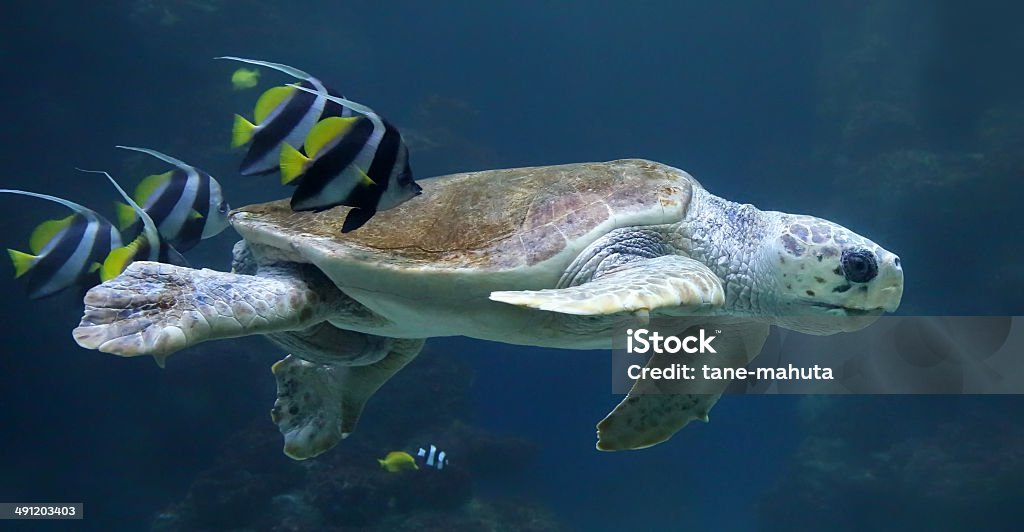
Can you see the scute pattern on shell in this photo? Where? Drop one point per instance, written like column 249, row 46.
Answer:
column 491, row 220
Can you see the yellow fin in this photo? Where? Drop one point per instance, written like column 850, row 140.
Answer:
column 325, row 131
column 22, row 262
column 149, row 185
column 195, row 215
column 125, row 215
column 241, row 132
column 364, row 179
column 293, row 163
column 45, row 232
column 270, row 100
column 118, row 260
column 95, row 266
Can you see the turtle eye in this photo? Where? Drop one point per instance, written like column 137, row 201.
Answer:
column 859, row 265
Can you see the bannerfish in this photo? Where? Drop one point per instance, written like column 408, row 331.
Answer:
column 396, row 461
column 66, row 252
column 282, row 114
column 433, row 458
column 148, row 245
column 245, row 78
column 186, row 203
column 360, row 162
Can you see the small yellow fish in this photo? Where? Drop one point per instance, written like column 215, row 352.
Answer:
column 397, row 461
column 245, row 78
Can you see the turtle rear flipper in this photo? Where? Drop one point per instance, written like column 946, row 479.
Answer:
column 654, row 410
column 642, row 421
column 641, row 285
column 158, row 309
column 319, row 404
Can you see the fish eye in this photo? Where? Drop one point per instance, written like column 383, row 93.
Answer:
column 859, row 265
column 223, row 207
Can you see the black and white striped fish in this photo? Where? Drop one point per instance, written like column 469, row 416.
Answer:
column 282, row 115
column 66, row 252
column 147, row 245
column 360, row 162
column 433, row 458
column 186, row 203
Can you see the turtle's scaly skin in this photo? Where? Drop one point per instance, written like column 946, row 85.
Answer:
column 547, row 256
column 150, row 291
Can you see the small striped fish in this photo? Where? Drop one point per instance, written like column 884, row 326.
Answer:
column 360, row 162
column 148, row 245
column 66, row 252
column 433, row 457
column 186, row 203
column 282, row 115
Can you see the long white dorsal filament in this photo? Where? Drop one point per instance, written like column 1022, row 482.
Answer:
column 291, row 71
column 151, row 231
column 80, row 209
column 165, row 158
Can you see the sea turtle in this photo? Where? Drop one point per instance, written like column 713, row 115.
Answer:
column 551, row 256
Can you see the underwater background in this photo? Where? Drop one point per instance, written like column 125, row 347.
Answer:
column 901, row 119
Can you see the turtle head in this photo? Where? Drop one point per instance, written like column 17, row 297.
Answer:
column 827, row 278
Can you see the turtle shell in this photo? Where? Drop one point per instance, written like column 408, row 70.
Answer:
column 488, row 221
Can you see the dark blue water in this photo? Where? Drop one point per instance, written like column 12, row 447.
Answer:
column 903, row 120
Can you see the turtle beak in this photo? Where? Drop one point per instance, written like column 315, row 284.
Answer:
column 890, row 281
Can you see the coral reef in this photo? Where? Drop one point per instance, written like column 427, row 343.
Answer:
column 252, row 485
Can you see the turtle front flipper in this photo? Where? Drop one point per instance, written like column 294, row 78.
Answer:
column 319, row 404
column 641, row 285
column 157, row 309
column 654, row 410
